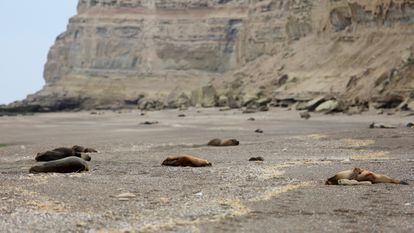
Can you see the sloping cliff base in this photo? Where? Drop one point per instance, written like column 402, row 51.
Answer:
column 154, row 54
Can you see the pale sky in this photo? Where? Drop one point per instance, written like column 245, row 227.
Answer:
column 27, row 30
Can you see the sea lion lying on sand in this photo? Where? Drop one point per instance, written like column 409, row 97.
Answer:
column 359, row 174
column 55, row 155
column 374, row 125
column 186, row 161
column 219, row 142
column 260, row 158
column 66, row 165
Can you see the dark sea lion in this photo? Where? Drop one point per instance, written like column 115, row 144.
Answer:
column 149, row 122
column 185, row 161
column 359, row 174
column 59, row 154
column 65, row 165
column 258, row 131
column 259, row 158
column 67, row 151
column 83, row 149
column 219, row 142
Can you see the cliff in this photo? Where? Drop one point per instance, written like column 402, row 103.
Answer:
column 117, row 52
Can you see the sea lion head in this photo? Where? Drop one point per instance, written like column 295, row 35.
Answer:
column 230, row 142
column 77, row 148
column 85, row 157
column 331, row 181
column 170, row 161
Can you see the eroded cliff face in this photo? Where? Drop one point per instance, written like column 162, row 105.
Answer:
column 117, row 51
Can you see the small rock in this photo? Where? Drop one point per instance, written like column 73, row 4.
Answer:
column 223, row 101
column 353, row 182
column 183, row 107
column 328, row 106
column 258, row 131
column 81, row 224
column 410, row 125
column 304, row 115
column 181, row 115
column 312, row 104
column 284, row 149
column 199, row 194
column 123, row 199
column 142, row 114
column 224, row 109
column 251, row 119
column 380, row 112
column 407, row 204
column 259, row 158
column 263, row 108
column 249, row 110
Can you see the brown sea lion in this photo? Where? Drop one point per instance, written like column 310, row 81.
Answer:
column 60, row 153
column 359, row 174
column 186, row 161
column 219, row 142
column 83, row 149
column 65, row 165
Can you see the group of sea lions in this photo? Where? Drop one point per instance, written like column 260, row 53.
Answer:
column 362, row 175
column 68, row 160
column 193, row 161
column 63, row 160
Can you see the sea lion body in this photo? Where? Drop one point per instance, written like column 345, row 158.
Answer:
column 60, row 153
column 67, row 151
column 376, row 178
column 359, row 174
column 260, row 158
column 185, row 161
column 65, row 165
column 214, row 142
column 219, row 142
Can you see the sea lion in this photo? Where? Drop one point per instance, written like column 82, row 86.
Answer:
column 149, row 122
column 258, row 131
column 260, row 158
column 219, row 142
column 83, row 149
column 359, row 174
column 65, row 165
column 185, row 161
column 55, row 155
column 410, row 125
column 374, row 125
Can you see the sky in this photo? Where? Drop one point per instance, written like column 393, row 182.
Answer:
column 28, row 29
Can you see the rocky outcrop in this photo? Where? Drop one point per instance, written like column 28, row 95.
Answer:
column 114, row 51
